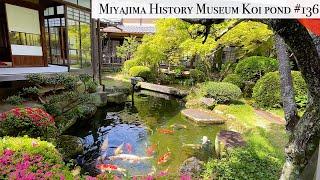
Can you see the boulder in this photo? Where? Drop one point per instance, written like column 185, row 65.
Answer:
column 70, row 146
column 192, row 167
column 227, row 140
column 209, row 103
column 117, row 98
column 203, row 116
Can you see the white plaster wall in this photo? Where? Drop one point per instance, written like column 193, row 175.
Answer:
column 26, row 50
column 22, row 19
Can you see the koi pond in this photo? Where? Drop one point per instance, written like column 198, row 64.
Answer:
column 146, row 137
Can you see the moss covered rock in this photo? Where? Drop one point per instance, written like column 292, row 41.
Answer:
column 70, row 146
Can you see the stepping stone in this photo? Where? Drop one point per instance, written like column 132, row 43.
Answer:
column 162, row 89
column 226, row 140
column 203, row 116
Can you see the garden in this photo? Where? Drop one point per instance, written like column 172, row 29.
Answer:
column 192, row 101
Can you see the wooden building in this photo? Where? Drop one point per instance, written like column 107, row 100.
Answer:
column 36, row 33
column 115, row 35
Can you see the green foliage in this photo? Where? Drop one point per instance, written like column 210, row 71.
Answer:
column 234, row 79
column 222, row 92
column 91, row 87
column 242, row 164
column 129, row 46
column 140, row 71
column 36, row 79
column 39, row 158
column 84, row 77
column 30, row 91
column 251, row 38
column 62, row 104
column 197, row 75
column 267, row 92
column 70, row 82
column 127, row 65
column 254, row 67
column 33, row 122
column 14, row 100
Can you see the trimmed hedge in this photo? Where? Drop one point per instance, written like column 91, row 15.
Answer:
column 127, row 65
column 267, row 91
column 222, row 92
column 234, row 79
column 140, row 71
column 254, row 67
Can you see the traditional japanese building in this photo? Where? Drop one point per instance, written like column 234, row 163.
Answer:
column 35, row 33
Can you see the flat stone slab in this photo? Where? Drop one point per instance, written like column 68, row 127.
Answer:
column 203, row 116
column 230, row 139
column 162, row 89
column 226, row 140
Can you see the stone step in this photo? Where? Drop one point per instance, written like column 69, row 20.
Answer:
column 203, row 116
column 162, row 89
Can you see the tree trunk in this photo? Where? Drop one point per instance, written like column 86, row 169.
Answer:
column 287, row 91
column 304, row 138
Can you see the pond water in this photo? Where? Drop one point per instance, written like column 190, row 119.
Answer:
column 138, row 126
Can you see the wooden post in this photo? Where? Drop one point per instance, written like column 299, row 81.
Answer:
column 99, row 50
column 94, row 49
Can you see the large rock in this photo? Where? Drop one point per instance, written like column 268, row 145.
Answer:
column 209, row 103
column 192, row 167
column 203, row 116
column 117, row 98
column 227, row 140
column 162, row 89
column 70, row 146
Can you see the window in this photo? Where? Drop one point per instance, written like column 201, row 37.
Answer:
column 22, row 38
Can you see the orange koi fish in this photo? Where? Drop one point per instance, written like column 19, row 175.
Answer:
column 165, row 131
column 151, row 149
column 129, row 147
column 110, row 167
column 164, row 158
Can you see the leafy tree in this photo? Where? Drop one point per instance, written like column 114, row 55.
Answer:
column 128, row 47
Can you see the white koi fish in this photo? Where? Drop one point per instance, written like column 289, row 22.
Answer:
column 129, row 157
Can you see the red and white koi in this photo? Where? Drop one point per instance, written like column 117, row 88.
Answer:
column 164, row 158
column 110, row 168
column 129, row 147
column 151, row 149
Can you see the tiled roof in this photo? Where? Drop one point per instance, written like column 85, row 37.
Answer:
column 138, row 29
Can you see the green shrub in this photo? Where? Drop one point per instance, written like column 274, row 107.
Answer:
column 27, row 158
column 36, row 79
column 33, row 122
column 234, row 79
column 222, row 92
column 253, row 68
column 91, row 87
column 14, row 100
column 267, row 91
column 85, row 77
column 70, row 82
column 242, row 164
column 197, row 75
column 31, row 91
column 140, row 71
column 127, row 65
